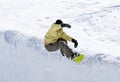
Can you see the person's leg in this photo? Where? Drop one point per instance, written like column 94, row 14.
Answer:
column 52, row 47
column 65, row 49
column 62, row 45
column 62, row 52
column 65, row 42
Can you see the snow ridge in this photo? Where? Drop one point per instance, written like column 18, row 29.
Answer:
column 26, row 58
column 15, row 38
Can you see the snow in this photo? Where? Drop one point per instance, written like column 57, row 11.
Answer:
column 23, row 58
column 95, row 25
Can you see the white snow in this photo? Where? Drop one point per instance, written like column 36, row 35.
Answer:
column 95, row 25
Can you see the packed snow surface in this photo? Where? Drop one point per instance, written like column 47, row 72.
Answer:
column 95, row 25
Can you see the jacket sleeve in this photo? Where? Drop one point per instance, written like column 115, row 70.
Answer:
column 65, row 36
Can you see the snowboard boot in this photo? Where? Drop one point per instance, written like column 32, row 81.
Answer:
column 74, row 55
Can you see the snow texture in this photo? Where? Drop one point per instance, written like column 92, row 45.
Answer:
column 95, row 25
column 24, row 59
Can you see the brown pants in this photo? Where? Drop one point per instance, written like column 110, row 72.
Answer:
column 62, row 45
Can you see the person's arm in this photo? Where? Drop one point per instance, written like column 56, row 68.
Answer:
column 65, row 36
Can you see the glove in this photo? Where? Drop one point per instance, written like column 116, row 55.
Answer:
column 66, row 25
column 75, row 42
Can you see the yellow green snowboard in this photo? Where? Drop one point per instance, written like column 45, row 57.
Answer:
column 78, row 59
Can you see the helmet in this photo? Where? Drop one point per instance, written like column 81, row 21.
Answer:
column 58, row 21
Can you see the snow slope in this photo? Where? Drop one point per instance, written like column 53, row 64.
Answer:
column 95, row 25
column 24, row 59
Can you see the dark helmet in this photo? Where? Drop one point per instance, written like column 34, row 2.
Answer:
column 58, row 21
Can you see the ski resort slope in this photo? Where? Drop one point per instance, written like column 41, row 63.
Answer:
column 24, row 59
column 95, row 25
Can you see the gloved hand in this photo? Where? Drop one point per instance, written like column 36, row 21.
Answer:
column 66, row 25
column 75, row 42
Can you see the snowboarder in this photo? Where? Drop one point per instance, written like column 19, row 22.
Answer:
column 56, row 39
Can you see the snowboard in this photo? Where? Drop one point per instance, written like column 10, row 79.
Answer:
column 79, row 58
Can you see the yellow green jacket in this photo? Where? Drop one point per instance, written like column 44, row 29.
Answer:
column 54, row 33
